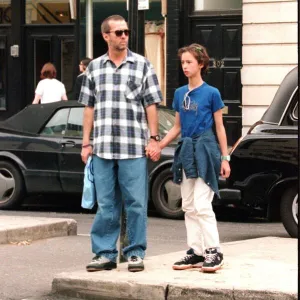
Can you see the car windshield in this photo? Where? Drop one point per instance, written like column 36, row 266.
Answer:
column 166, row 122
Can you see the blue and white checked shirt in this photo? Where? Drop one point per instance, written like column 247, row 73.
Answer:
column 119, row 97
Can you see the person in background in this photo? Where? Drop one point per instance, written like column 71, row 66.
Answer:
column 198, row 159
column 49, row 89
column 82, row 67
column 120, row 92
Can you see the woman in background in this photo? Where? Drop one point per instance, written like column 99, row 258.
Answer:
column 49, row 89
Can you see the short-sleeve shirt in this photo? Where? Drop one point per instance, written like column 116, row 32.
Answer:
column 50, row 90
column 196, row 108
column 119, row 96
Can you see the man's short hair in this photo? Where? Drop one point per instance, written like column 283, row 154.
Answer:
column 105, row 28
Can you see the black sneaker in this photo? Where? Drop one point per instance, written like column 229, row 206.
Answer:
column 100, row 263
column 190, row 251
column 135, row 264
column 213, row 260
column 188, row 262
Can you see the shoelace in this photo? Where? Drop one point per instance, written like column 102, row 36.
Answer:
column 210, row 257
column 134, row 258
column 186, row 258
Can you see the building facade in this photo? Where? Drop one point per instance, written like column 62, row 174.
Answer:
column 252, row 45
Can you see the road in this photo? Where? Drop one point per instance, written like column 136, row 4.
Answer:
column 26, row 272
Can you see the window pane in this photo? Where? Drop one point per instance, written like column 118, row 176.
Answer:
column 58, row 123
column 75, row 122
column 5, row 11
column 67, row 63
column 50, row 11
column 217, row 4
column 3, row 66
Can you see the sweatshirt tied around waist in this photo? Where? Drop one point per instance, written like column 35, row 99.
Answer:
column 198, row 156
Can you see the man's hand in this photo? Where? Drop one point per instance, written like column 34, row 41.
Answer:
column 153, row 150
column 85, row 153
column 225, row 169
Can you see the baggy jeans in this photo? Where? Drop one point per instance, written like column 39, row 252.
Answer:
column 118, row 180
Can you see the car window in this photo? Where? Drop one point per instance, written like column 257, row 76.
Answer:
column 75, row 122
column 166, row 122
column 295, row 112
column 57, row 124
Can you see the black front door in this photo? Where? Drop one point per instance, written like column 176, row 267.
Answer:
column 54, row 44
column 222, row 36
column 5, row 43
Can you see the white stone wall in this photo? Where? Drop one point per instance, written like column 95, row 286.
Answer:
column 269, row 52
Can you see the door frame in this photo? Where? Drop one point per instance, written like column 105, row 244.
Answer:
column 54, row 34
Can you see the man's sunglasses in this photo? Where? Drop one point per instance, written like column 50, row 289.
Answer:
column 119, row 33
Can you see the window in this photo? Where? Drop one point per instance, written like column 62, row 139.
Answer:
column 166, row 122
column 75, row 123
column 3, row 66
column 200, row 5
column 295, row 112
column 50, row 11
column 57, row 124
column 5, row 11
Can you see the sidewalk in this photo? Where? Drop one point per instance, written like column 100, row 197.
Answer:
column 20, row 229
column 263, row 268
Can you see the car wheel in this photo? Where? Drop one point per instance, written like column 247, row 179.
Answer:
column 11, row 186
column 289, row 211
column 166, row 196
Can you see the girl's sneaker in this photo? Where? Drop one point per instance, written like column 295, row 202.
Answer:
column 213, row 260
column 188, row 262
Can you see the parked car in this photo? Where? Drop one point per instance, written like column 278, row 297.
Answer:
column 40, row 153
column 264, row 163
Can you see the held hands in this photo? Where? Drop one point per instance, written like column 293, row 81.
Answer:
column 225, row 169
column 153, row 150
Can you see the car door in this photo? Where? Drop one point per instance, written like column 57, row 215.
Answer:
column 71, row 165
column 41, row 154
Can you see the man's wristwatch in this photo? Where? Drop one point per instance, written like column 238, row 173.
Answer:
column 225, row 157
column 155, row 137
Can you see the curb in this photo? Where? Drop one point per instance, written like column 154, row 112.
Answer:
column 130, row 290
column 38, row 228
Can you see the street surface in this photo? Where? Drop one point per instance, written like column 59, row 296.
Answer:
column 26, row 272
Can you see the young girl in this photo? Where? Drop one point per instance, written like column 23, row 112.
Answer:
column 198, row 161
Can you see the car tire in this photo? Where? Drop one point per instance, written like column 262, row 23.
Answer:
column 166, row 196
column 289, row 211
column 11, row 186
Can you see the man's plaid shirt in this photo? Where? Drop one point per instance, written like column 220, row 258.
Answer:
column 119, row 97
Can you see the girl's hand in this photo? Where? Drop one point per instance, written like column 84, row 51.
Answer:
column 225, row 169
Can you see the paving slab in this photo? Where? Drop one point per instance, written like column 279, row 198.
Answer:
column 263, row 268
column 17, row 229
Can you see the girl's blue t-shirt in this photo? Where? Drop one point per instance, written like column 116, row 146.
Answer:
column 196, row 115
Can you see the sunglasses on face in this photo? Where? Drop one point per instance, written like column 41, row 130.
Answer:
column 119, row 33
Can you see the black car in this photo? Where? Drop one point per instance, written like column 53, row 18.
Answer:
column 264, row 163
column 40, row 153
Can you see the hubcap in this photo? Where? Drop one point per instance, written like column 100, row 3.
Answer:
column 172, row 196
column 295, row 209
column 7, row 185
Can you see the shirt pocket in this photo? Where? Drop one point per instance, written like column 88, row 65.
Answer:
column 133, row 89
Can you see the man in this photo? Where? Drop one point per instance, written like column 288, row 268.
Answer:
column 121, row 92
column 82, row 67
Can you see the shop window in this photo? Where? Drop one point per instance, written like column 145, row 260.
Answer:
column 50, row 12
column 3, row 66
column 200, row 5
column 5, row 11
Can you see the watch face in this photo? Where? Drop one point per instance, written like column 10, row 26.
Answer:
column 155, row 137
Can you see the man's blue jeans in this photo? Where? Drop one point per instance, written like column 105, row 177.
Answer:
column 114, row 180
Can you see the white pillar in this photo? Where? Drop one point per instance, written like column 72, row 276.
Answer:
column 89, row 28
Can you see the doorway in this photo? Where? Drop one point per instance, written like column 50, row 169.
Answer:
column 222, row 36
column 50, row 44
